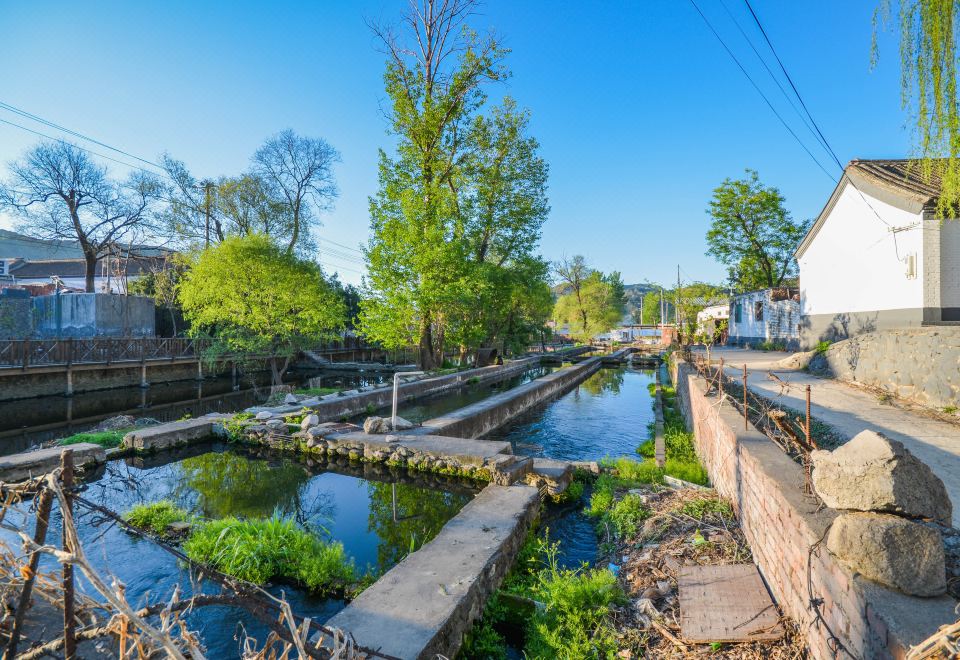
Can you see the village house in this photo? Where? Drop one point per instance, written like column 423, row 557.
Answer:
column 713, row 319
column 768, row 315
column 877, row 257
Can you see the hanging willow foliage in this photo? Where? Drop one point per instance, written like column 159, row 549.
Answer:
column 928, row 74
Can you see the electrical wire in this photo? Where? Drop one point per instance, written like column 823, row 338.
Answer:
column 760, row 91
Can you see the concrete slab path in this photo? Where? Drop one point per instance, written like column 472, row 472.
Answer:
column 850, row 410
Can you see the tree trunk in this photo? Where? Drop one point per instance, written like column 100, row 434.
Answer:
column 90, row 273
column 425, row 359
column 277, row 371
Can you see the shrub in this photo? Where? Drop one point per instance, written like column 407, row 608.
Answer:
column 627, row 514
column 106, row 439
column 261, row 550
column 156, row 517
column 575, row 620
column 690, row 471
column 822, row 347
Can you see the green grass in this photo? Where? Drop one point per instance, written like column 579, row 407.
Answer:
column 822, row 347
column 317, row 391
column 156, row 517
column 273, row 549
column 625, row 514
column 106, row 439
column 707, row 507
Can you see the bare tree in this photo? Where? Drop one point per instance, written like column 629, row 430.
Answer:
column 301, row 171
column 61, row 194
column 190, row 215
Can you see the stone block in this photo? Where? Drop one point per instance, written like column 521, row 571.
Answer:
column 874, row 473
column 20, row 467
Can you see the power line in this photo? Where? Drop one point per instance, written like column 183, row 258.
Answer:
column 37, row 118
column 346, row 247
column 792, row 86
column 776, row 80
column 760, row 91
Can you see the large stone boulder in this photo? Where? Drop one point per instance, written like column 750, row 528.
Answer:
column 401, row 425
column 896, row 552
column 874, row 473
column 374, row 424
column 309, row 421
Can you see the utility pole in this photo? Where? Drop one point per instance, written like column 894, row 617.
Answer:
column 208, row 188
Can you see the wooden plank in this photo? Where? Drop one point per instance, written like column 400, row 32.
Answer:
column 726, row 604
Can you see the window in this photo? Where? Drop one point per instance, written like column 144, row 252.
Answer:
column 738, row 313
column 758, row 310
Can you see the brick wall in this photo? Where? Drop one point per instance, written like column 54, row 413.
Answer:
column 782, row 525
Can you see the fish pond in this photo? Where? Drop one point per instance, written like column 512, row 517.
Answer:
column 377, row 514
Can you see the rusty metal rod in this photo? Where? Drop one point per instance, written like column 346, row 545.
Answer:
column 746, row 425
column 69, row 620
column 39, row 537
column 806, row 426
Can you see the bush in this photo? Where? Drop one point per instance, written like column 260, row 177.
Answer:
column 156, row 517
column 575, row 620
column 262, row 550
column 822, row 347
column 106, row 439
column 627, row 514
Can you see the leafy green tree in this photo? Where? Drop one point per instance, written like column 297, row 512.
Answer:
column 752, row 233
column 460, row 204
column 928, row 57
column 255, row 299
column 651, row 308
column 590, row 302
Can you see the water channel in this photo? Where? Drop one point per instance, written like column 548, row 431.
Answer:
column 378, row 518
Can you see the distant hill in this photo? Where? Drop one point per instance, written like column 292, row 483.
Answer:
column 635, row 293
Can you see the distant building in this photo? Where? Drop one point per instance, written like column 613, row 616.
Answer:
column 877, row 256
column 769, row 315
column 712, row 319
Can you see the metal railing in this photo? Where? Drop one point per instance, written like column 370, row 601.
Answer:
column 26, row 353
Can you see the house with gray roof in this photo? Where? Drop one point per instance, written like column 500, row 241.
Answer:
column 877, row 257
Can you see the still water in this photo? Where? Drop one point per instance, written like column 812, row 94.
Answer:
column 607, row 415
column 378, row 521
column 25, row 423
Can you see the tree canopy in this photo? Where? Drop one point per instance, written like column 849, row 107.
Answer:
column 457, row 216
column 752, row 233
column 255, row 299
column 590, row 303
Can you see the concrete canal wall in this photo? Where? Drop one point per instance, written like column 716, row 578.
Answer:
column 334, row 406
column 424, row 605
column 480, row 418
column 785, row 528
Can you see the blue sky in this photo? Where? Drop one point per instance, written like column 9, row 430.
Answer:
column 638, row 109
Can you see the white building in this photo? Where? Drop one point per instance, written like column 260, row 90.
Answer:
column 877, row 257
column 769, row 315
column 710, row 318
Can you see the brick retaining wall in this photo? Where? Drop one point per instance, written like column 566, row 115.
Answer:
column 781, row 524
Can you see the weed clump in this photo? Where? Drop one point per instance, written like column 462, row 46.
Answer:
column 271, row 549
column 106, row 439
column 157, row 516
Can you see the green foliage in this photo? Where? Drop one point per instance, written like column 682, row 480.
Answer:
column 690, row 471
column 752, row 233
column 254, row 298
column 771, row 346
column 627, row 514
column 460, row 204
column 157, row 516
column 236, row 424
column 950, row 410
column 822, row 347
column 575, row 621
column 106, row 439
column 317, row 391
column 928, row 74
column 264, row 550
column 590, row 303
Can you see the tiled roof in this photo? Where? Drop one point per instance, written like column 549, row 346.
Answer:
column 903, row 176
column 69, row 268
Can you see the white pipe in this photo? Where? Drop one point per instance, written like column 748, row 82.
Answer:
column 396, row 385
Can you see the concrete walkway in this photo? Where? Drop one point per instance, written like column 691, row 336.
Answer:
column 850, row 410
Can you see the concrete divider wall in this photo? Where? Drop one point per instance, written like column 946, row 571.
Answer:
column 785, row 528
column 480, row 418
column 334, row 407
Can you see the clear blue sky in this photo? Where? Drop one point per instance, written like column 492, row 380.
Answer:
column 639, row 111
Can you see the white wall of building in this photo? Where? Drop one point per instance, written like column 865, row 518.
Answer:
column 856, row 264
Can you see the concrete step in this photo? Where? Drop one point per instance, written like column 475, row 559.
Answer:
column 21, row 467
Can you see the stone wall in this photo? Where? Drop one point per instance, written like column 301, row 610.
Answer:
column 16, row 318
column 785, row 528
column 918, row 364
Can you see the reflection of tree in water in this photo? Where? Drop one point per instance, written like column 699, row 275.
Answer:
column 605, row 380
column 233, row 485
column 404, row 517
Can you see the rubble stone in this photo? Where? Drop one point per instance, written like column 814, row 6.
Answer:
column 891, row 550
column 309, row 421
column 874, row 473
